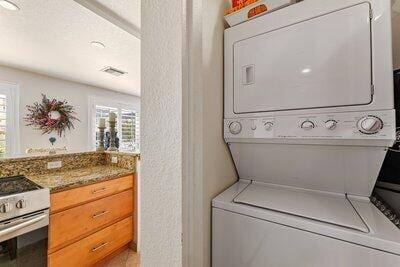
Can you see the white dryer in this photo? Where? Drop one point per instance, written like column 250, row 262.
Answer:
column 308, row 119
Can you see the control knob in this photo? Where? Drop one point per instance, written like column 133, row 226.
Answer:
column 369, row 124
column 307, row 125
column 268, row 126
column 5, row 207
column 21, row 204
column 330, row 124
column 235, row 127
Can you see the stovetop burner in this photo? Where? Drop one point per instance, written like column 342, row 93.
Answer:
column 15, row 185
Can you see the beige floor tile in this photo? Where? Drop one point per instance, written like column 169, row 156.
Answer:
column 127, row 258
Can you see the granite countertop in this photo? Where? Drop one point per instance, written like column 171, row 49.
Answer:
column 64, row 180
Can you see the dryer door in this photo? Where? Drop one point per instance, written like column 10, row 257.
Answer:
column 321, row 62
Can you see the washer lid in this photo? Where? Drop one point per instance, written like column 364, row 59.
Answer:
column 326, row 207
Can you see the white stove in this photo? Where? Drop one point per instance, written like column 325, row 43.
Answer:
column 24, row 209
column 21, row 197
column 309, row 116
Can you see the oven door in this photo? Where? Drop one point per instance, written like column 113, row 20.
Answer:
column 318, row 63
column 23, row 240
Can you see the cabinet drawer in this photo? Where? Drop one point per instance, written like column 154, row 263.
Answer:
column 95, row 247
column 72, row 224
column 69, row 198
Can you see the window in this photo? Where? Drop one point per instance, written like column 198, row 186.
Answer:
column 9, row 133
column 129, row 140
column 127, row 123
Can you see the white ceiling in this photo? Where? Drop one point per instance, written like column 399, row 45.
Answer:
column 128, row 10
column 53, row 38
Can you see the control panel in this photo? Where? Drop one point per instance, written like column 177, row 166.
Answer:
column 12, row 203
column 354, row 125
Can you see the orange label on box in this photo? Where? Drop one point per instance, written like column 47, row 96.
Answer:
column 239, row 4
column 256, row 10
column 235, row 3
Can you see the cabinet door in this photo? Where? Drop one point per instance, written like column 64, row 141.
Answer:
column 321, row 62
column 70, row 225
column 93, row 248
column 76, row 196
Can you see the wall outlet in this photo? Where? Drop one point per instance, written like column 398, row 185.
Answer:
column 114, row 159
column 54, row 164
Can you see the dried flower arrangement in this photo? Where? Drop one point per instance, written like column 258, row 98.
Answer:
column 51, row 115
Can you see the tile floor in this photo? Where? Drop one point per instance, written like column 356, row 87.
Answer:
column 127, row 258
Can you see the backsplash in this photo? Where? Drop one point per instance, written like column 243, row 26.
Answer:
column 124, row 160
column 38, row 164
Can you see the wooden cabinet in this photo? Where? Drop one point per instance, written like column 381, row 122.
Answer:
column 91, row 249
column 91, row 222
column 73, row 197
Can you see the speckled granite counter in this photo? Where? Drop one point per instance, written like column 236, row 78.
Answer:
column 64, row 180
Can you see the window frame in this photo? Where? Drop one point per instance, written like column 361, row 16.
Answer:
column 102, row 101
column 11, row 91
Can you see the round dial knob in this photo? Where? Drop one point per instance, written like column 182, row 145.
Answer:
column 21, row 204
column 330, row 124
column 370, row 124
column 268, row 126
column 235, row 127
column 5, row 207
column 307, row 125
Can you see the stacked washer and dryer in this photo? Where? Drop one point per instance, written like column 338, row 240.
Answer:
column 308, row 118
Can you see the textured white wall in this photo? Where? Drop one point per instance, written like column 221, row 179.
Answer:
column 32, row 85
column 161, row 133
column 218, row 169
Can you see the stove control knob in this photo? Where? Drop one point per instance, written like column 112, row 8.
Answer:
column 235, row 127
column 307, row 125
column 369, row 124
column 21, row 204
column 330, row 124
column 5, row 207
column 268, row 126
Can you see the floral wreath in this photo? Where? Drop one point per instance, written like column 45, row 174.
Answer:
column 51, row 115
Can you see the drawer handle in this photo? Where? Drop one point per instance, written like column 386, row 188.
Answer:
column 96, row 191
column 94, row 216
column 102, row 245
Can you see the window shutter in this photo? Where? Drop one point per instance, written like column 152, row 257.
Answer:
column 129, row 131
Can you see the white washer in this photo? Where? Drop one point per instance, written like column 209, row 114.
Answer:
column 247, row 235
column 308, row 119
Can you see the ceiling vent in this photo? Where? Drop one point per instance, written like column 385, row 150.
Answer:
column 114, row 71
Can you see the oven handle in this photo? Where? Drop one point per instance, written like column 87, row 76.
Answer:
column 22, row 225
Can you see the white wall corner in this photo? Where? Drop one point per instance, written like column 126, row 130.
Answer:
column 162, row 144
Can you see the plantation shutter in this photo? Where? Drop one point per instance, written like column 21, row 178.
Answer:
column 3, row 125
column 129, row 130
